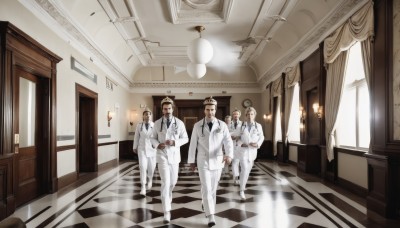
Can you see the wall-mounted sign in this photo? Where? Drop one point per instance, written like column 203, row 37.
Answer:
column 77, row 66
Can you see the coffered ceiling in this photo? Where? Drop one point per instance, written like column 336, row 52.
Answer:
column 124, row 36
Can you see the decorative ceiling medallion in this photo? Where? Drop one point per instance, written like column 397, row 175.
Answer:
column 199, row 11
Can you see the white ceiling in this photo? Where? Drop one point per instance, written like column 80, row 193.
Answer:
column 123, row 36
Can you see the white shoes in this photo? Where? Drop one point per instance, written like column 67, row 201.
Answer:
column 236, row 181
column 143, row 191
column 149, row 185
column 211, row 221
column 242, row 196
column 167, row 217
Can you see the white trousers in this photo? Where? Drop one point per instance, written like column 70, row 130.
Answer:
column 245, row 169
column 169, row 177
column 209, row 183
column 226, row 168
column 235, row 167
column 147, row 165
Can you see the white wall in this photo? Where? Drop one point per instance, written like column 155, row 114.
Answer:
column 353, row 168
column 293, row 151
column 19, row 16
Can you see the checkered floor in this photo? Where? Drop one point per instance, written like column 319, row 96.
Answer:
column 276, row 197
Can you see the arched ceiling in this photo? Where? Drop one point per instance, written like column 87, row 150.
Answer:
column 126, row 36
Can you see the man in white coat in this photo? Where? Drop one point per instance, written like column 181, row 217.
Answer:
column 228, row 121
column 169, row 134
column 235, row 124
column 209, row 135
column 145, row 151
column 251, row 136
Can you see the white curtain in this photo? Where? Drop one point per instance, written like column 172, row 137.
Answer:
column 276, row 92
column 359, row 27
column 277, row 126
column 366, row 57
column 292, row 78
column 334, row 90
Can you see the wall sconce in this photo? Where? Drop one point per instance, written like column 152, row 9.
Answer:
column 267, row 117
column 302, row 115
column 109, row 117
column 317, row 110
column 133, row 116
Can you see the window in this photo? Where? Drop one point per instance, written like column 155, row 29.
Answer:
column 294, row 121
column 353, row 126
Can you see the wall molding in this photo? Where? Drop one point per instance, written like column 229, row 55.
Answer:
column 107, row 143
column 66, row 147
column 107, row 165
column 67, row 179
column 350, row 186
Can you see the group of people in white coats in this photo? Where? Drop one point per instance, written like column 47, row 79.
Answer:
column 213, row 146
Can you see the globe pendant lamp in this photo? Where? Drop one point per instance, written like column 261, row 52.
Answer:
column 200, row 50
column 196, row 71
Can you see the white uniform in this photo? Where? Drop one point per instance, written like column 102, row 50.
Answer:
column 146, row 152
column 210, row 157
column 247, row 155
column 235, row 161
column 168, row 159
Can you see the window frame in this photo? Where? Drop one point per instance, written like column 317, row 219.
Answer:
column 356, row 85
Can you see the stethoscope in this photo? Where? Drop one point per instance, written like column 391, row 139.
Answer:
column 162, row 123
column 245, row 125
column 204, row 123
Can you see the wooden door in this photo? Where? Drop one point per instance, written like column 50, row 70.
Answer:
column 86, row 150
column 86, row 107
column 28, row 137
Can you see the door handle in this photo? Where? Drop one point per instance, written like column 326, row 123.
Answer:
column 16, row 142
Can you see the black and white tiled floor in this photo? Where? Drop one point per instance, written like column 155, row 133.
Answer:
column 276, row 197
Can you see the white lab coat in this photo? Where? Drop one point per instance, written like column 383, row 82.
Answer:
column 146, row 152
column 247, row 155
column 142, row 141
column 235, row 132
column 255, row 135
column 208, row 145
column 176, row 132
column 235, row 161
column 168, row 159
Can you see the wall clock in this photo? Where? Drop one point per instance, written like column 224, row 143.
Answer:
column 247, row 103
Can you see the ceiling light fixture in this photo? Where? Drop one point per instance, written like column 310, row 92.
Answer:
column 200, row 52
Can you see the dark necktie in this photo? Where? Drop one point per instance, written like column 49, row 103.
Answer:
column 168, row 123
column 235, row 125
column 210, row 125
column 147, row 126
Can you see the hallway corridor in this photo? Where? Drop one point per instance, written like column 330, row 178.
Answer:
column 276, row 197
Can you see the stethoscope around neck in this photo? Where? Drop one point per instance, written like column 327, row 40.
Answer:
column 204, row 123
column 162, row 123
column 244, row 125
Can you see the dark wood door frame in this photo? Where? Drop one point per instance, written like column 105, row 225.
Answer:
column 84, row 94
column 17, row 49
